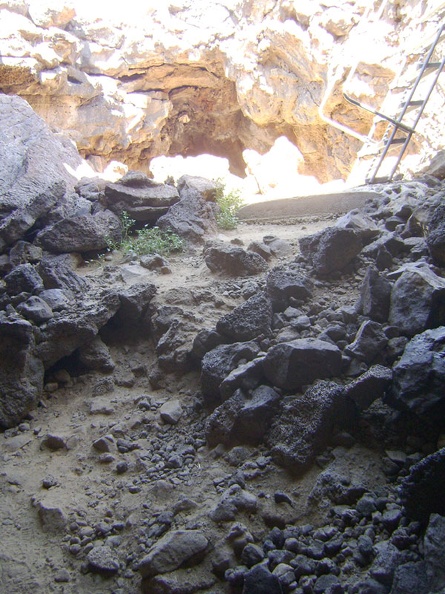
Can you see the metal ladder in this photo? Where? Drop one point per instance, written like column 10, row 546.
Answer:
column 399, row 130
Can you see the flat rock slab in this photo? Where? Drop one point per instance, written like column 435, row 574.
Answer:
column 304, row 206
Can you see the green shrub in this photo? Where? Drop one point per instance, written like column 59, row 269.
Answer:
column 229, row 204
column 154, row 241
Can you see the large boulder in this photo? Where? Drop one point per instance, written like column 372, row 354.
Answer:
column 417, row 300
column 291, row 365
column 369, row 342
column 142, row 198
column 248, row 320
column 304, row 424
column 21, row 372
column 34, row 176
column 194, row 216
column 435, row 238
column 84, row 233
column 232, row 260
column 419, row 376
column 331, row 250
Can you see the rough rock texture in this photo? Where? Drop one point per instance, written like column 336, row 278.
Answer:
column 208, row 78
column 305, row 423
column 232, row 260
column 332, row 249
column 420, row 374
column 417, row 300
column 291, row 365
column 249, row 320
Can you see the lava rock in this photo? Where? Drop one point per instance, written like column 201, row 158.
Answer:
column 233, row 261
column 103, row 560
column 291, row 365
column 331, row 249
column 248, row 320
column 286, row 283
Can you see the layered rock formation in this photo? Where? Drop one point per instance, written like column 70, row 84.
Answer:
column 138, row 81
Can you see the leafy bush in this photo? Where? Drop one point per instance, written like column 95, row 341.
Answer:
column 146, row 241
column 154, row 241
column 229, row 204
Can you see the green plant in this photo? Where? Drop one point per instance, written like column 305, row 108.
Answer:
column 229, row 204
column 126, row 224
column 154, row 241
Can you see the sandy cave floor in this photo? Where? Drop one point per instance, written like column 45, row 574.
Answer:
column 89, row 492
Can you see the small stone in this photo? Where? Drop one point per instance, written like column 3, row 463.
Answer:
column 62, row 576
column 49, row 481
column 103, row 560
column 171, row 412
column 281, row 497
column 121, row 467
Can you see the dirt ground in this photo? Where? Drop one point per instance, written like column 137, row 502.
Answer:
column 38, row 555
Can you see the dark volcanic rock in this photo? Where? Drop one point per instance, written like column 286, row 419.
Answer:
column 291, row 365
column 422, row 490
column 232, row 260
column 331, row 249
column 34, row 177
column 375, row 296
column 369, row 386
column 82, row 233
column 417, row 300
column 23, row 279
column 285, row 283
column 21, row 372
column 369, row 342
column 194, row 215
column 259, row 580
column 242, row 419
column 435, row 238
column 419, row 376
column 304, row 424
column 57, row 273
column 248, row 320
column 142, row 198
column 103, row 560
column 219, row 362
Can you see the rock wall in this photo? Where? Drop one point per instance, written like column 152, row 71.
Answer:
column 142, row 80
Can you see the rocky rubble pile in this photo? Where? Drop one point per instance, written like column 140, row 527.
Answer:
column 331, row 346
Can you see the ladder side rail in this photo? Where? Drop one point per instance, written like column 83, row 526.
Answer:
column 401, row 153
column 425, row 101
column 420, row 75
column 384, row 153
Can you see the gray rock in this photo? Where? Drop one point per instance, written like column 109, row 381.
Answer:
column 259, row 580
column 435, row 238
column 142, row 198
column 57, row 299
column 181, row 581
column 286, row 283
column 336, row 488
column 417, row 300
column 24, row 278
column 369, row 386
column 434, row 552
column 246, row 376
column 242, row 419
column 134, row 303
column 21, row 372
column 35, row 309
column 82, row 233
column 206, row 340
column 96, row 355
column 103, row 560
column 172, row 551
column 34, row 176
column 385, row 563
column 410, row 577
column 248, row 320
column 364, row 226
column 419, row 376
column 375, row 295
column 218, row 363
column 194, row 216
column 291, row 365
column 422, row 490
column 171, row 411
column 57, row 273
column 51, row 516
column 304, row 424
column 24, row 252
column 232, row 260
column 370, row 341
column 331, row 249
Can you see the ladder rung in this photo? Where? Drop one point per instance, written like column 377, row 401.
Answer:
column 397, row 141
column 411, row 105
column 429, row 66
